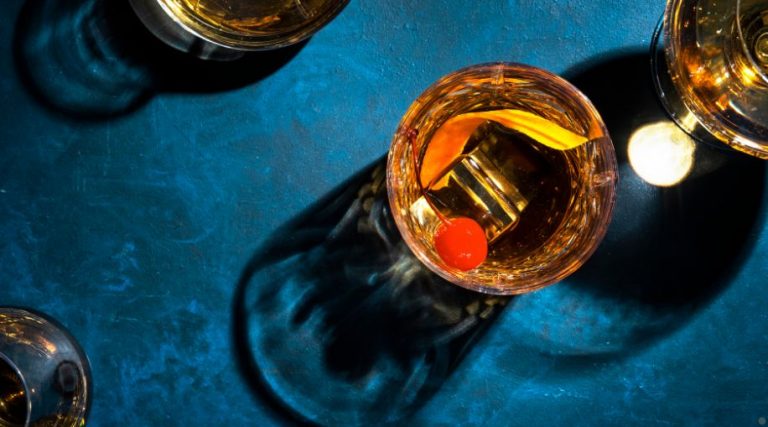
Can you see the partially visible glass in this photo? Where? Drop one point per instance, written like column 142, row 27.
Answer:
column 710, row 63
column 223, row 29
column 45, row 378
column 555, row 204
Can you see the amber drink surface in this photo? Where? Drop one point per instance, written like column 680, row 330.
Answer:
column 519, row 151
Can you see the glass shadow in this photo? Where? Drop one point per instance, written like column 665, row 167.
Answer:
column 337, row 323
column 94, row 60
column 669, row 251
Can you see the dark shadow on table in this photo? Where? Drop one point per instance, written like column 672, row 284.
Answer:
column 669, row 251
column 337, row 323
column 95, row 60
column 324, row 327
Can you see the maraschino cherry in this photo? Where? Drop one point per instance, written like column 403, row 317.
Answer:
column 460, row 242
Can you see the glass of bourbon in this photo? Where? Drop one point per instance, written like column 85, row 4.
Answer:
column 222, row 29
column 501, row 178
column 710, row 69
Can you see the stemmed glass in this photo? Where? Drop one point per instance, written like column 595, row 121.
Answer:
column 710, row 67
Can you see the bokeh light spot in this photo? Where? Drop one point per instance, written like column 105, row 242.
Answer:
column 661, row 153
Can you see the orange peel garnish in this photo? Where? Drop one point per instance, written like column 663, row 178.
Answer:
column 451, row 137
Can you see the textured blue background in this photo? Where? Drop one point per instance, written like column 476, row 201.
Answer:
column 133, row 230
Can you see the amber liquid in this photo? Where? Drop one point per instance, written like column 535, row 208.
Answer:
column 720, row 66
column 13, row 399
column 517, row 189
column 254, row 17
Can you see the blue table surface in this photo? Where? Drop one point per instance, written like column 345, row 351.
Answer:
column 131, row 223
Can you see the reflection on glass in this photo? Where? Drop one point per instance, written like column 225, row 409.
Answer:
column 14, row 404
column 715, row 56
column 661, row 153
column 219, row 29
column 44, row 374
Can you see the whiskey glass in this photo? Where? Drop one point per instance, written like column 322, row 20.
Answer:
column 45, row 378
column 223, row 29
column 336, row 319
column 544, row 210
column 710, row 67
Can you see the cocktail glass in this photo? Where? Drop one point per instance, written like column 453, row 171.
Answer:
column 336, row 319
column 710, row 68
column 219, row 29
column 516, row 149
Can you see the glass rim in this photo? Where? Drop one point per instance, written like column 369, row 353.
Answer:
column 724, row 132
column 576, row 256
column 82, row 361
column 759, row 70
column 245, row 41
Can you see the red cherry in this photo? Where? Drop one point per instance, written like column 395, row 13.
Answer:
column 461, row 243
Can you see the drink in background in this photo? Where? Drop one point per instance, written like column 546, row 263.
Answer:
column 45, row 377
column 717, row 59
column 543, row 209
column 250, row 17
column 222, row 29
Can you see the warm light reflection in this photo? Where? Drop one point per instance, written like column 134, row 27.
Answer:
column 49, row 346
column 688, row 121
column 661, row 153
